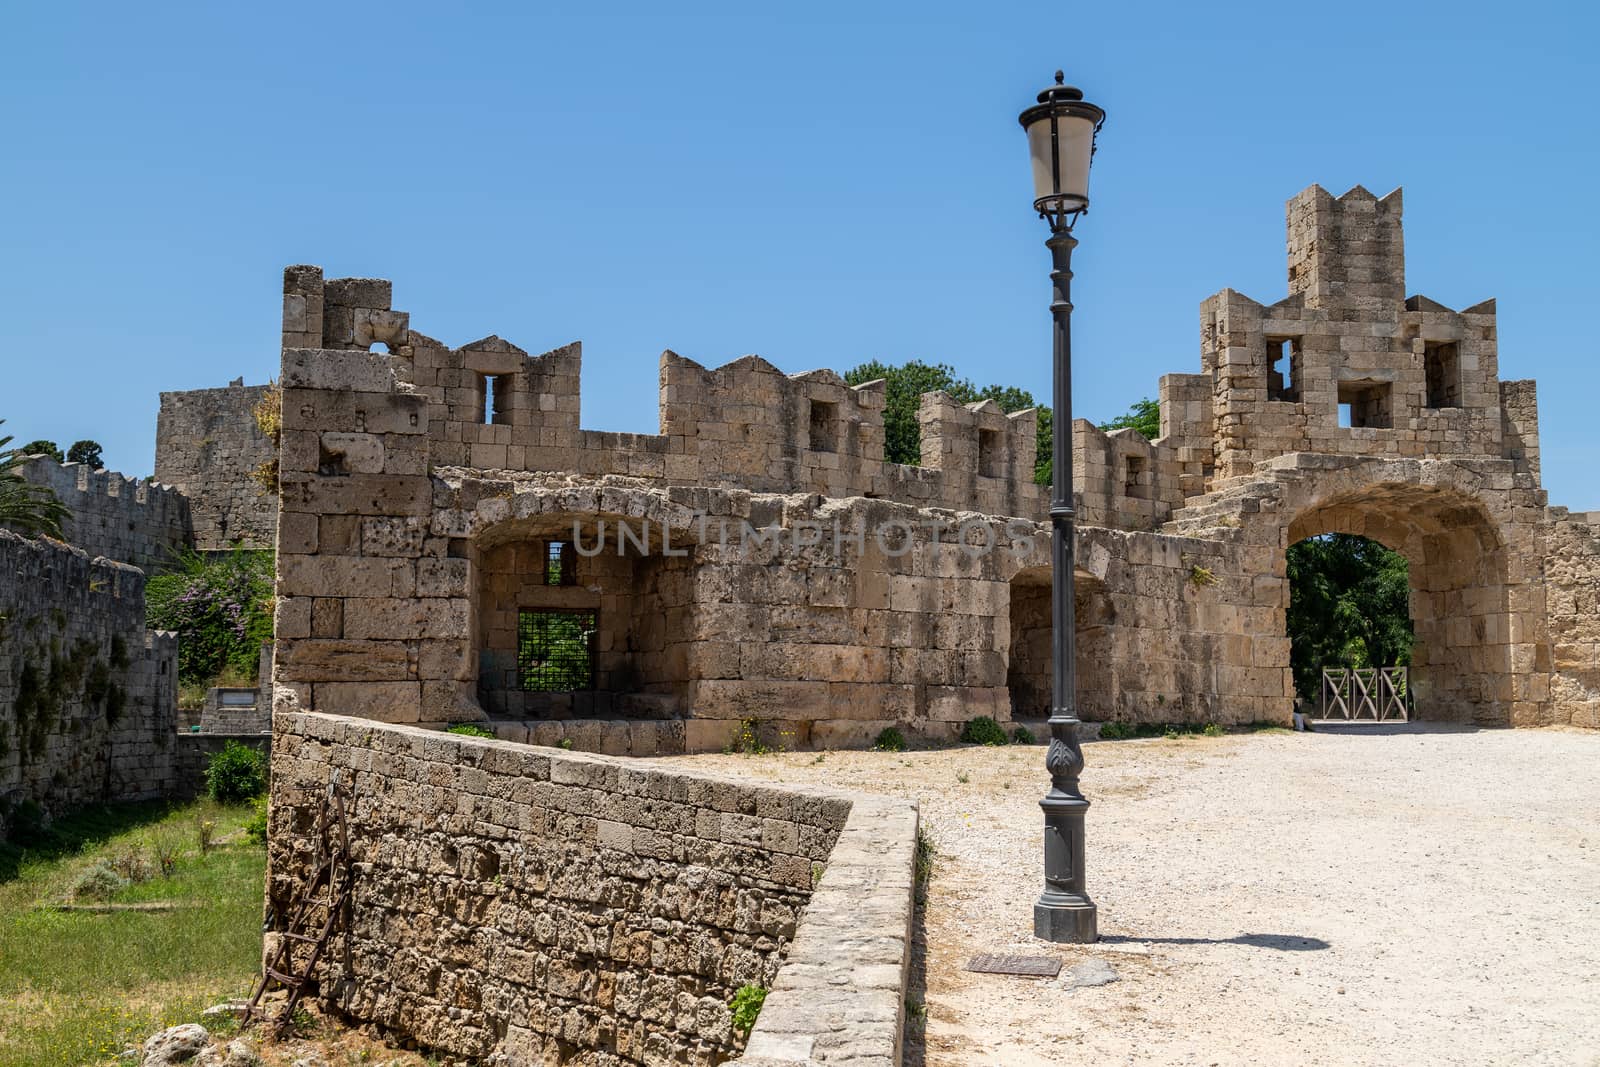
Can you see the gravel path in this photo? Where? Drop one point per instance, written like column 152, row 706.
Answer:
column 1411, row 896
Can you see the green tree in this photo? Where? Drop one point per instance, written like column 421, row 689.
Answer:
column 903, row 388
column 24, row 507
column 85, row 452
column 1349, row 606
column 42, row 447
column 1143, row 415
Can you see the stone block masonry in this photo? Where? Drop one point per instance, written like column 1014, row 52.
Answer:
column 434, row 500
column 527, row 905
column 209, row 446
column 87, row 695
column 132, row 521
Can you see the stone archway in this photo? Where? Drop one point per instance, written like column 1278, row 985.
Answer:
column 1461, row 597
column 1028, row 657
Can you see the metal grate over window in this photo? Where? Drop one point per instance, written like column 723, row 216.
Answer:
column 555, row 650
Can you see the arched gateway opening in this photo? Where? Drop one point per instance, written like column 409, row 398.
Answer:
column 1461, row 669
column 1349, row 607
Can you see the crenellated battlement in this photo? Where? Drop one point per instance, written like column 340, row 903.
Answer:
column 1347, row 363
column 129, row 520
column 746, row 424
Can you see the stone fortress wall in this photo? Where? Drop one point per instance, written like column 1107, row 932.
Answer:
column 87, row 694
column 423, row 485
column 533, row 905
column 209, row 448
column 140, row 522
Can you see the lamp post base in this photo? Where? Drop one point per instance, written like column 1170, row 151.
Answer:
column 1067, row 922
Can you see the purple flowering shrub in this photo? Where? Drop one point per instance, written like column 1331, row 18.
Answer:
column 220, row 605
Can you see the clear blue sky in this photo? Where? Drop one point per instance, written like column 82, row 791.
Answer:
column 820, row 184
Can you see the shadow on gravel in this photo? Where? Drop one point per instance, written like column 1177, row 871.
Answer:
column 1280, row 942
column 1388, row 729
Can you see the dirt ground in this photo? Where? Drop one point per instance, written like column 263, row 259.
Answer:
column 1379, row 895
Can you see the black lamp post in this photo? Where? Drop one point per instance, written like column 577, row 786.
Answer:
column 1061, row 129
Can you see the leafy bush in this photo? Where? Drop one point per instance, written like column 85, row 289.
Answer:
column 983, row 731
column 255, row 828
column 1022, row 736
column 1117, row 731
column 221, row 610
column 236, row 773
column 746, row 1006
column 890, row 739
column 1213, row 730
column 98, row 882
column 469, row 729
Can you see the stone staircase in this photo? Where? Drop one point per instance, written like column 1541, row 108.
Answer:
column 1221, row 509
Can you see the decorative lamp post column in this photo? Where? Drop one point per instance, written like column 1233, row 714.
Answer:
column 1061, row 130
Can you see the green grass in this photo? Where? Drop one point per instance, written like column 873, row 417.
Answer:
column 76, row 987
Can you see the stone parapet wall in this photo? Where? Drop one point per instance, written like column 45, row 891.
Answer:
column 746, row 424
column 209, row 447
column 87, row 694
column 130, row 520
column 534, row 905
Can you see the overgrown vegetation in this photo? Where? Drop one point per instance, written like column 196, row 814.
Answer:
column 890, row 739
column 26, row 508
column 469, row 729
column 236, row 774
column 927, row 851
column 1349, row 606
column 1022, row 736
column 983, row 731
column 746, row 1007
column 221, row 608
column 80, row 986
column 268, row 415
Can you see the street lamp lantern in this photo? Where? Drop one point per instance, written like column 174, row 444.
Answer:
column 1061, row 130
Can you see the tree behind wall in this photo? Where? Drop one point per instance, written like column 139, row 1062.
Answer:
column 903, row 388
column 25, row 508
column 86, row 452
column 1349, row 606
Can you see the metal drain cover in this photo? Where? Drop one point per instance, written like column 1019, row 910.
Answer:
column 1031, row 966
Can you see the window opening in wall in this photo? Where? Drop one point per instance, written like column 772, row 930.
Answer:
column 1133, row 480
column 1441, row 362
column 989, row 453
column 560, row 563
column 495, row 391
column 555, row 650
column 1283, row 368
column 824, row 426
column 1368, row 403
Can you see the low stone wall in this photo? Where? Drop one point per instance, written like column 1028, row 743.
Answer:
column 535, row 905
column 87, row 694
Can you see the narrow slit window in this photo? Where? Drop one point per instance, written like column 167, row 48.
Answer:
column 555, row 650
column 1441, row 362
column 494, row 392
column 824, row 426
column 560, row 563
column 1134, row 479
column 1283, row 368
column 989, row 453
